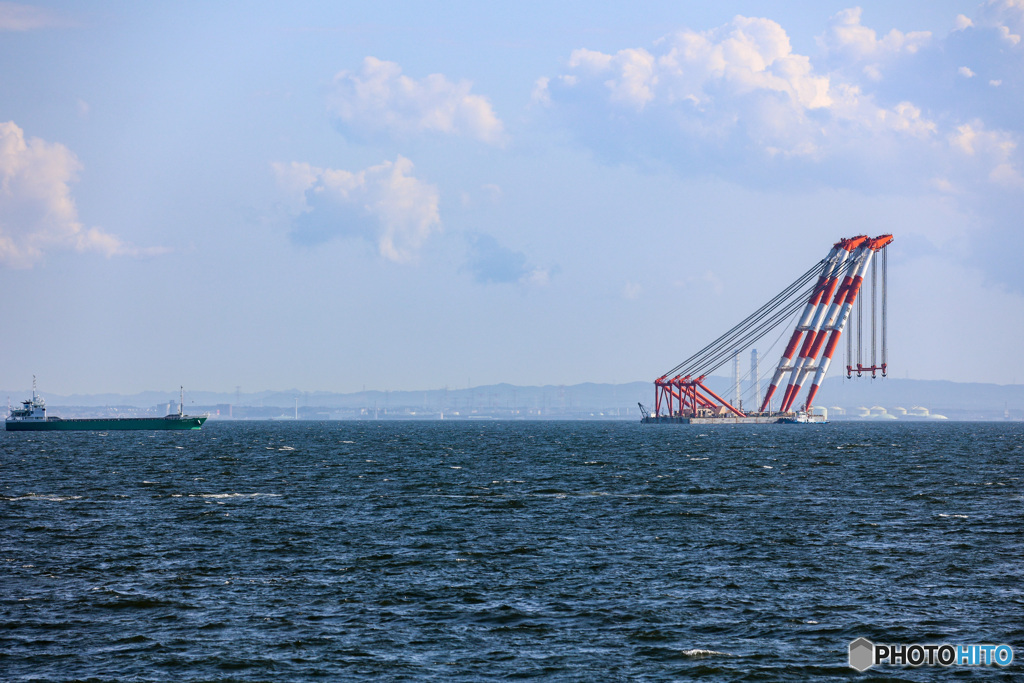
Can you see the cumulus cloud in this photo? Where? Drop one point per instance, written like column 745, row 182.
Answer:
column 846, row 35
column 991, row 151
column 748, row 56
column 1006, row 17
column 737, row 101
column 744, row 57
column 631, row 74
column 379, row 99
column 37, row 211
column 962, row 22
column 904, row 113
column 385, row 204
column 540, row 95
column 946, row 75
column 719, row 95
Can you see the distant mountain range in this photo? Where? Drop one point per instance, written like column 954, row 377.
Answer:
column 954, row 399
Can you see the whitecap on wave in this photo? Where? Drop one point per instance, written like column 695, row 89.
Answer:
column 234, row 495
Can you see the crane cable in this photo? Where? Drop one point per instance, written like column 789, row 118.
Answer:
column 755, row 326
column 779, row 299
column 885, row 306
column 715, row 362
column 748, row 378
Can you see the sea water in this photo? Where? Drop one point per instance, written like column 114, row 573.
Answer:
column 288, row 551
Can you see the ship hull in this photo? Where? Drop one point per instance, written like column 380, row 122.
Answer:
column 735, row 420
column 105, row 424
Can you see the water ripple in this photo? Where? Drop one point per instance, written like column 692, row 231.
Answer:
column 466, row 551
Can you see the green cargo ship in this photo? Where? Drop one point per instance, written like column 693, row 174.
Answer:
column 31, row 417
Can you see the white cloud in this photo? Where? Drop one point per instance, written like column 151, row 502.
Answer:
column 874, row 113
column 848, row 46
column 37, row 211
column 1006, row 16
column 18, row 17
column 384, row 203
column 738, row 86
column 1007, row 175
column 631, row 71
column 540, row 94
column 968, row 136
column 847, row 36
column 537, row 277
column 730, row 100
column 746, row 56
column 380, row 99
column 906, row 118
column 962, row 22
column 991, row 150
column 1011, row 38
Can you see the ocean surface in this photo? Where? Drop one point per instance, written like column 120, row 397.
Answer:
column 581, row 551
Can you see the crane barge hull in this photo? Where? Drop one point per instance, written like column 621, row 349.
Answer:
column 731, row 419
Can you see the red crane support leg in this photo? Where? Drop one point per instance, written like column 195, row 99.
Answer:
column 796, row 379
column 823, row 367
column 807, row 363
column 787, row 356
column 821, row 293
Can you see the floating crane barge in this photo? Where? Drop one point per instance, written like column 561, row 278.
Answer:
column 681, row 396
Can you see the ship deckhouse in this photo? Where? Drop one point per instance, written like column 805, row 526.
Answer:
column 33, row 410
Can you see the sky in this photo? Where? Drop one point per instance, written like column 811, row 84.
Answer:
column 391, row 195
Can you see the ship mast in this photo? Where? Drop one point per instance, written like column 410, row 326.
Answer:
column 181, row 401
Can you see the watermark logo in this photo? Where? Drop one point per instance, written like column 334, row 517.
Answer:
column 864, row 654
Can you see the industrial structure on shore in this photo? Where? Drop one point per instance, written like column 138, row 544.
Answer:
column 681, row 396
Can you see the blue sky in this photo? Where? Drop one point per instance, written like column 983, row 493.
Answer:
column 412, row 195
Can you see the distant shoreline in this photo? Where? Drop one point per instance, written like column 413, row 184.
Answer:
column 886, row 398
